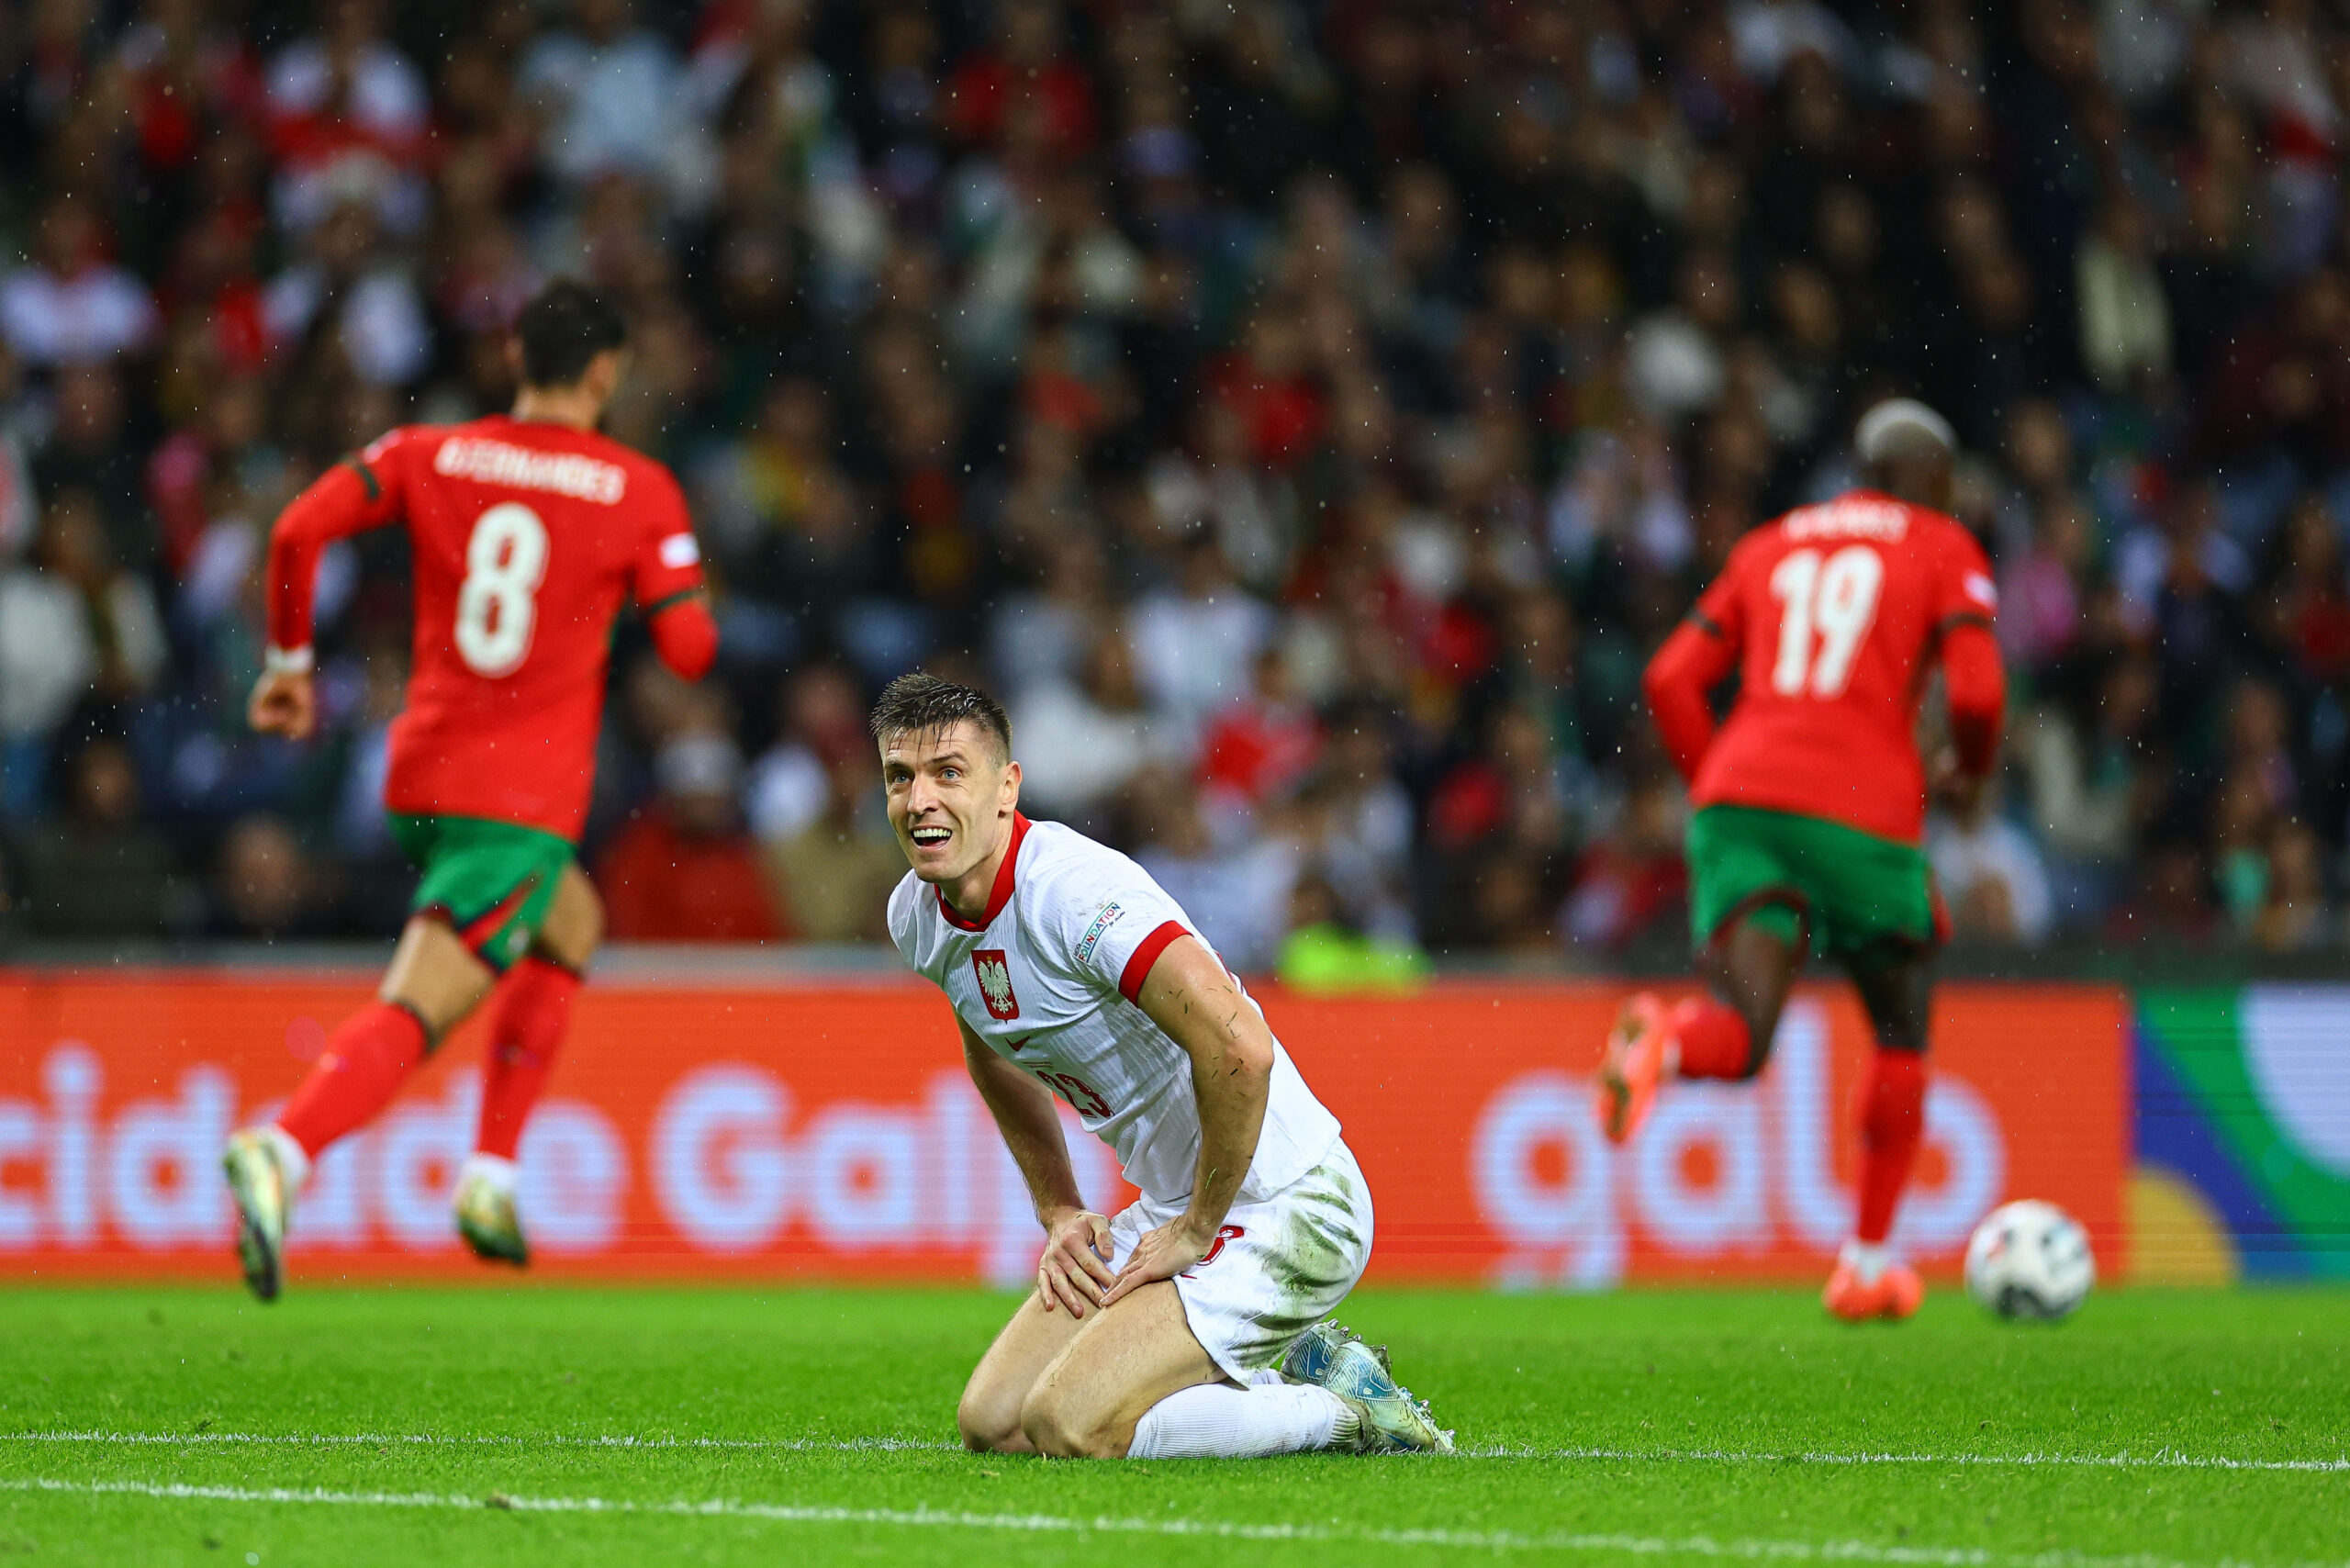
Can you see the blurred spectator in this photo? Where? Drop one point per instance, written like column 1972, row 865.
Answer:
column 100, row 869
column 1082, row 742
column 1325, row 953
column 1991, row 875
column 1262, row 748
column 72, row 305
column 611, row 99
column 74, row 627
column 1631, row 879
column 89, row 451
column 685, row 870
column 792, row 784
column 348, row 114
column 1240, row 894
column 263, row 884
column 832, row 879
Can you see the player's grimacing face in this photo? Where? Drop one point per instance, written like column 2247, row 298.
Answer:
column 951, row 797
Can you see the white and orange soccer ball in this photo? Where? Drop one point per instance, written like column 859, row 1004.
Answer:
column 2029, row 1260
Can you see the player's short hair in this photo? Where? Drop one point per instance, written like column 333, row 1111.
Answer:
column 562, row 328
column 1901, row 428
column 919, row 704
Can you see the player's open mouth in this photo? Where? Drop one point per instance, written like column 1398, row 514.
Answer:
column 930, row 837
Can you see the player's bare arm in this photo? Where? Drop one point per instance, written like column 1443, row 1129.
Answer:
column 1189, row 995
column 1074, row 1270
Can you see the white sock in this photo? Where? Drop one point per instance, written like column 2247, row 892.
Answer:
column 496, row 1170
column 291, row 1160
column 1216, row 1420
column 1866, row 1260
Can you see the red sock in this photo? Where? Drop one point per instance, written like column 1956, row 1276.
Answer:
column 1714, row 1041
column 365, row 1063
column 533, row 1012
column 1893, row 1118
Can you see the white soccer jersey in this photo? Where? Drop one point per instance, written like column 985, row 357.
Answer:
column 1049, row 977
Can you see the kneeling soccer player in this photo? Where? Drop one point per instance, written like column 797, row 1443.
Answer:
column 1810, row 797
column 1188, row 1326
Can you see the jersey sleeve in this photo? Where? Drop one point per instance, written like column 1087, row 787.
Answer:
column 902, row 915
column 1696, row 658
column 1111, row 935
column 1973, row 680
column 363, row 491
column 1721, row 611
column 666, row 566
column 1964, row 592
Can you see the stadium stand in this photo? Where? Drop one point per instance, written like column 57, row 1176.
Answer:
column 1308, row 415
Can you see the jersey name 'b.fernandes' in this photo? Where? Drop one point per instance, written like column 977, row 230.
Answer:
column 526, row 539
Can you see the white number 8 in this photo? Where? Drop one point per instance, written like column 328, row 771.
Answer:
column 497, row 608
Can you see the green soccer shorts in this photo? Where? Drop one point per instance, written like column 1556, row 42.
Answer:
column 1807, row 879
column 492, row 883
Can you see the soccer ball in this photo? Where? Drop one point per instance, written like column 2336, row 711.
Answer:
column 2029, row 1260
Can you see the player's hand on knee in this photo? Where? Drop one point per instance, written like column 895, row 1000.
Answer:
column 1161, row 1255
column 1075, row 1268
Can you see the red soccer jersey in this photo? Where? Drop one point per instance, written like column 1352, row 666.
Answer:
column 1833, row 615
column 525, row 538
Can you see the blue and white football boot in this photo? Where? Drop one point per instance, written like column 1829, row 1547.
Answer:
column 1387, row 1418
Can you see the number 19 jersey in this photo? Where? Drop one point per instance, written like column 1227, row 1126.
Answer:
column 1835, row 613
column 525, row 539
column 1048, row 979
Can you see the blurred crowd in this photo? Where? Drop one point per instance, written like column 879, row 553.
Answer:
column 1307, row 416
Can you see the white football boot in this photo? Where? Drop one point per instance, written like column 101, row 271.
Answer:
column 256, row 1163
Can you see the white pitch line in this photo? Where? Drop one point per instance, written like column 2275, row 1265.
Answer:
column 385, row 1440
column 1743, row 1549
column 2160, row 1459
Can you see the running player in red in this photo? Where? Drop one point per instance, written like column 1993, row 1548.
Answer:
column 527, row 534
column 1811, row 795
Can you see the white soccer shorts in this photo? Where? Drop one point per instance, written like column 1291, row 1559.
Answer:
column 1276, row 1267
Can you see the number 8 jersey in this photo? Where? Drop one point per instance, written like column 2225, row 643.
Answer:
column 1833, row 616
column 525, row 540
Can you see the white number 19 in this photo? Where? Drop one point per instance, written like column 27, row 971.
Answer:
column 1839, row 602
column 498, row 607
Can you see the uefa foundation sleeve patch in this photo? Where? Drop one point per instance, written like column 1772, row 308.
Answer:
column 1104, row 919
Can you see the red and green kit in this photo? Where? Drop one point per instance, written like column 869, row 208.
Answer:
column 1811, row 795
column 526, row 539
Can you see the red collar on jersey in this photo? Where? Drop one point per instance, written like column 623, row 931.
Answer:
column 1002, row 893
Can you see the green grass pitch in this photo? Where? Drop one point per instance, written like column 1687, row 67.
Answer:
column 397, row 1424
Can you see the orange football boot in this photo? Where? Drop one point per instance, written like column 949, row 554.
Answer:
column 1896, row 1293
column 1634, row 1067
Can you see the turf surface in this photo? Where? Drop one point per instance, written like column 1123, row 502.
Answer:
column 458, row 1426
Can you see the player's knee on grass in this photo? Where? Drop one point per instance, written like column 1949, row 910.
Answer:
column 988, row 1418
column 1061, row 1427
